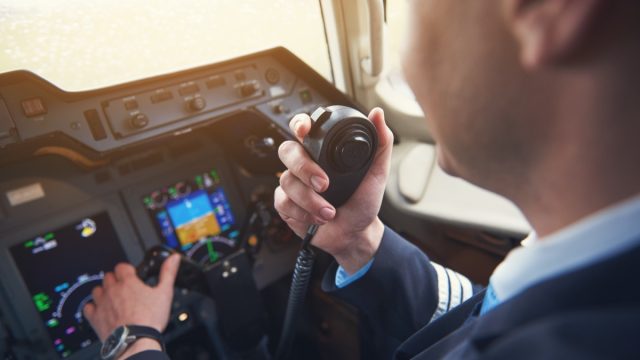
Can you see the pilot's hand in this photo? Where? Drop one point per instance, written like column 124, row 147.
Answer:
column 124, row 299
column 351, row 234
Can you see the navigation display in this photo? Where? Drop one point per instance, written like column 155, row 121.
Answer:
column 60, row 268
column 195, row 217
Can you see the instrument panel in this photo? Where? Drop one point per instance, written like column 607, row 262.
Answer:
column 60, row 268
column 194, row 214
column 107, row 119
column 91, row 179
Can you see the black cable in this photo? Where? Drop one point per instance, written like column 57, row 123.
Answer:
column 297, row 293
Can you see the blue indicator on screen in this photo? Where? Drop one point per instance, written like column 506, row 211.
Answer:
column 222, row 209
column 62, row 287
column 167, row 229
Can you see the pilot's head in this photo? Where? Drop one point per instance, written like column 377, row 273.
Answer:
column 509, row 85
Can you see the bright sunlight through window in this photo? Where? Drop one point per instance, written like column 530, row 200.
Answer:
column 81, row 44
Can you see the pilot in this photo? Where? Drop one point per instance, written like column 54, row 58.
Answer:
column 536, row 100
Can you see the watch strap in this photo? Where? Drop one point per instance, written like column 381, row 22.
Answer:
column 138, row 331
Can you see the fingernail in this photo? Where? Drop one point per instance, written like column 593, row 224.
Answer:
column 327, row 213
column 296, row 122
column 318, row 183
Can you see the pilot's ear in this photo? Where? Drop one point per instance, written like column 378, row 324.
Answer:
column 548, row 31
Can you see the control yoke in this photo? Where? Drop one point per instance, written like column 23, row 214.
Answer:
column 190, row 274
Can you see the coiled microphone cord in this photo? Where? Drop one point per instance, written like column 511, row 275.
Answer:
column 297, row 293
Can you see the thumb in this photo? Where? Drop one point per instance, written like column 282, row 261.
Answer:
column 382, row 159
column 168, row 271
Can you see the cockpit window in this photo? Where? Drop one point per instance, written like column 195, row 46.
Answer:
column 397, row 29
column 79, row 44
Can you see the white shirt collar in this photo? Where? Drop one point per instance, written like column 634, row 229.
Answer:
column 605, row 233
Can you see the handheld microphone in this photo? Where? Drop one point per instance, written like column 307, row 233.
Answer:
column 343, row 142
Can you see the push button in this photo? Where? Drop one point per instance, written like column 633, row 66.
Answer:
column 279, row 109
column 188, row 89
column 215, row 81
column 95, row 125
column 240, row 75
column 161, row 96
column 305, row 96
column 130, row 104
column 33, row 107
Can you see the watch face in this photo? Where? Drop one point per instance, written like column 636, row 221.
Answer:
column 114, row 342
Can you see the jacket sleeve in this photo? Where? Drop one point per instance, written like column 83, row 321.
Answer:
column 149, row 355
column 399, row 294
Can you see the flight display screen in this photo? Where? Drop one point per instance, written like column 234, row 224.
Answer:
column 60, row 268
column 195, row 217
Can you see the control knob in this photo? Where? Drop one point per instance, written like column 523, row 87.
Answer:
column 182, row 189
column 198, row 103
column 279, row 109
column 248, row 88
column 138, row 121
column 159, row 199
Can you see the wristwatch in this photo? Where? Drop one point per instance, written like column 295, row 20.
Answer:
column 125, row 335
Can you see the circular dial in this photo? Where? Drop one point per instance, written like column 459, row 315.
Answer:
column 210, row 250
column 77, row 296
column 196, row 104
column 159, row 198
column 182, row 189
column 138, row 121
